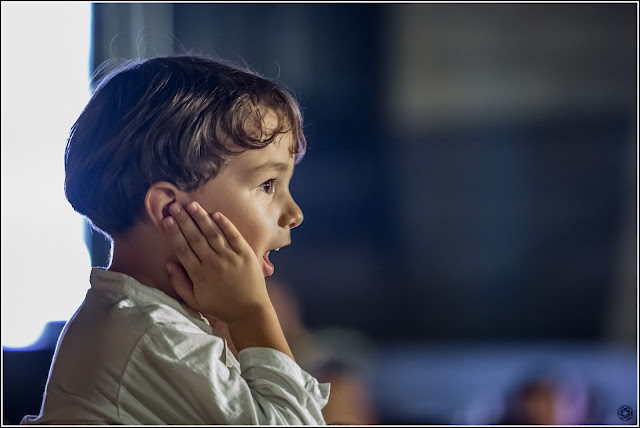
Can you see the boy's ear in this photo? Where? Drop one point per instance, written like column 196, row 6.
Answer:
column 157, row 200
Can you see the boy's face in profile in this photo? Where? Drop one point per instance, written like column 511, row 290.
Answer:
column 252, row 190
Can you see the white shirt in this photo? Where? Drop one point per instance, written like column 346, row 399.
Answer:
column 133, row 355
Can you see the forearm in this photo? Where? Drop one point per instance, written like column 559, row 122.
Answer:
column 260, row 328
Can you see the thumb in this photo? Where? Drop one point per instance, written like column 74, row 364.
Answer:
column 181, row 283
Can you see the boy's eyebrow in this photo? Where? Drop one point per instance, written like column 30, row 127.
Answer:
column 273, row 165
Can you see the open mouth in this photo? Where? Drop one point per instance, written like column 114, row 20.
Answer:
column 267, row 266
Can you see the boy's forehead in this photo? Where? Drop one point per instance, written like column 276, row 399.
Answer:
column 262, row 126
column 276, row 153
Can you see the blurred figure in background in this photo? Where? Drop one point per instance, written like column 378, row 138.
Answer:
column 540, row 399
column 335, row 355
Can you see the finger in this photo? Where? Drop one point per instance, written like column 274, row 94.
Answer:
column 181, row 283
column 191, row 232
column 181, row 247
column 231, row 233
column 208, row 227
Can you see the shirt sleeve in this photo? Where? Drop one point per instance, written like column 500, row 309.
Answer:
column 177, row 376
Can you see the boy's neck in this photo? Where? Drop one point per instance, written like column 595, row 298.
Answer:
column 141, row 254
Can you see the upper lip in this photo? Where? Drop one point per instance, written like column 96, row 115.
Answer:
column 281, row 246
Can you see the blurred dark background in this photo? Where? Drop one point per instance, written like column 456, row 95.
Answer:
column 469, row 190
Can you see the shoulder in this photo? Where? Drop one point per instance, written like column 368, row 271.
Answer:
column 112, row 324
column 118, row 300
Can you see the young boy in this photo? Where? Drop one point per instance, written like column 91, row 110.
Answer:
column 185, row 163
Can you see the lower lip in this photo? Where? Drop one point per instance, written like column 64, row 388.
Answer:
column 267, row 268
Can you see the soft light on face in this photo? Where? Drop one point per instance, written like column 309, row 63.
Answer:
column 252, row 190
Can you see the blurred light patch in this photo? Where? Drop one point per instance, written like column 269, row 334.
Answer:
column 45, row 85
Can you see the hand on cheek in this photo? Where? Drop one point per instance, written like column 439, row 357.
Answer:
column 220, row 274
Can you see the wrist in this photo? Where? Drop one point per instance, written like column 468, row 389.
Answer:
column 259, row 328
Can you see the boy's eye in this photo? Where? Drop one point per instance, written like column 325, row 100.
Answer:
column 268, row 185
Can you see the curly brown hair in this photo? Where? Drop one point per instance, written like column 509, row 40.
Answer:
column 175, row 119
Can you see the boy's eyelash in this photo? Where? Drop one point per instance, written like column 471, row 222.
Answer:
column 267, row 186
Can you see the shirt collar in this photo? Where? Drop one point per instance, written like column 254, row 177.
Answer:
column 106, row 280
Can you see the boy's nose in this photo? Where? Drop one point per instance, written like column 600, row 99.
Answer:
column 297, row 219
column 292, row 215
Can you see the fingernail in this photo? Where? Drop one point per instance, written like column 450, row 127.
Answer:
column 174, row 209
column 169, row 221
column 216, row 216
column 192, row 207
